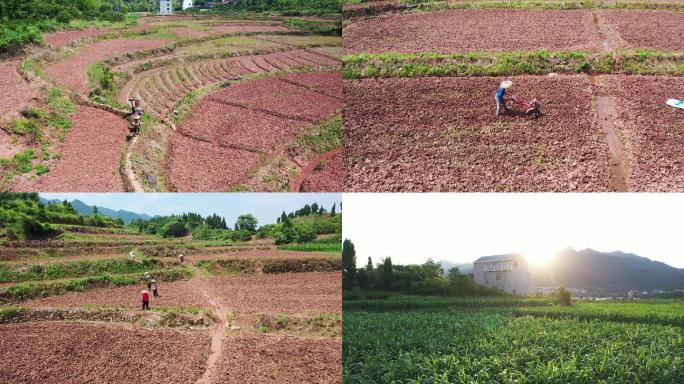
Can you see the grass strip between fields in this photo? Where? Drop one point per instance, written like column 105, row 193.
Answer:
column 249, row 266
column 32, row 290
column 540, row 62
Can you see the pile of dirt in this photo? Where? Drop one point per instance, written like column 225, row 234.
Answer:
column 73, row 72
column 79, row 353
column 269, row 359
column 651, row 131
column 645, row 29
column 89, row 157
column 441, row 134
column 473, row 30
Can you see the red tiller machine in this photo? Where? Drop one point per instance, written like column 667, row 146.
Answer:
column 530, row 107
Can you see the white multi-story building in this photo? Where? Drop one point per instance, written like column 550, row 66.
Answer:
column 505, row 272
column 187, row 4
column 165, row 7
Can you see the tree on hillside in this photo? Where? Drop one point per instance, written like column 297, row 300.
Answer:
column 246, row 222
column 563, row 296
column 369, row 265
column 174, row 228
column 314, row 208
column 95, row 211
column 332, row 210
column 283, row 217
column 348, row 264
column 387, row 273
column 432, row 269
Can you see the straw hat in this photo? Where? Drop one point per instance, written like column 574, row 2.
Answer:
column 506, row 84
column 144, row 291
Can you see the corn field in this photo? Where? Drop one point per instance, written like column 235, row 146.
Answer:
column 474, row 346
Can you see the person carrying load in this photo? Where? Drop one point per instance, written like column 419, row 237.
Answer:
column 136, row 112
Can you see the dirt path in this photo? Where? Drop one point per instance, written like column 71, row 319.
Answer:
column 218, row 333
column 308, row 170
column 618, row 169
column 130, row 179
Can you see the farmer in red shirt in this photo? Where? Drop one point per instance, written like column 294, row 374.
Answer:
column 146, row 299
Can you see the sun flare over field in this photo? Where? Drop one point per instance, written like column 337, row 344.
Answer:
column 539, row 255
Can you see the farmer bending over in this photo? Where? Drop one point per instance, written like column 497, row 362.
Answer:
column 146, row 299
column 500, row 93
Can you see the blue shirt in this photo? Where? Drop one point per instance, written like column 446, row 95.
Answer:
column 500, row 94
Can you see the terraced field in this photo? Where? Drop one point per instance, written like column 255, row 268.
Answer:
column 282, row 324
column 419, row 89
column 169, row 65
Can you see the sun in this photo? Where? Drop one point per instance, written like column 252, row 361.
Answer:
column 538, row 255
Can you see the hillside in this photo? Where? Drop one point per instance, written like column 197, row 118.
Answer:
column 616, row 270
column 87, row 210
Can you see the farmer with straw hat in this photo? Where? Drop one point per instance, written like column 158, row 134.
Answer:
column 499, row 96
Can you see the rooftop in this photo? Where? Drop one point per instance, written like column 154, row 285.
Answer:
column 506, row 257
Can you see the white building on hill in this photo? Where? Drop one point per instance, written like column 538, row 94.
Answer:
column 187, row 4
column 165, row 7
column 505, row 272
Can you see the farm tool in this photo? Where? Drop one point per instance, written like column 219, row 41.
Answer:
column 530, row 107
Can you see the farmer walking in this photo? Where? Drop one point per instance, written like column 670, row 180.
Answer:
column 149, row 280
column 145, row 299
column 154, row 288
column 132, row 254
column 181, row 257
column 499, row 96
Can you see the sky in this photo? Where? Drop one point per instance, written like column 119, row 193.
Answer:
column 266, row 207
column 462, row 227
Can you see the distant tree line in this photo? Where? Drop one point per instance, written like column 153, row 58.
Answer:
column 213, row 227
column 308, row 210
column 424, row 279
column 22, row 22
column 286, row 7
column 22, row 216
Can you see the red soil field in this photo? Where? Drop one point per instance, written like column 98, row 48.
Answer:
column 236, row 126
column 173, row 294
column 185, row 32
column 284, row 98
column 61, row 39
column 247, row 28
column 473, row 30
column 14, row 91
column 269, row 359
column 328, row 179
column 273, row 111
column 441, row 134
column 646, row 29
column 78, row 353
column 327, row 83
column 291, row 293
column 90, row 155
column 73, row 72
column 652, row 132
column 194, row 165
column 262, row 254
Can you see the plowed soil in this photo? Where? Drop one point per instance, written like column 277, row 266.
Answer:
column 263, row 254
column 473, row 30
column 79, row 353
column 247, row 28
column 211, row 151
column 280, row 293
column 270, row 359
column 14, row 91
column 327, row 83
column 646, row 29
column 73, row 72
column 441, row 134
column 284, row 98
column 328, row 176
column 195, row 165
column 90, row 155
column 61, row 39
column 173, row 294
column 651, row 131
column 185, row 32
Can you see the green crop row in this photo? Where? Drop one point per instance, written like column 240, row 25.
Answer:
column 641, row 61
column 244, row 266
column 32, row 290
column 399, row 303
column 485, row 347
column 14, row 274
column 313, row 247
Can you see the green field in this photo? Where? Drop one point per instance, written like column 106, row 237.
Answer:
column 602, row 342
